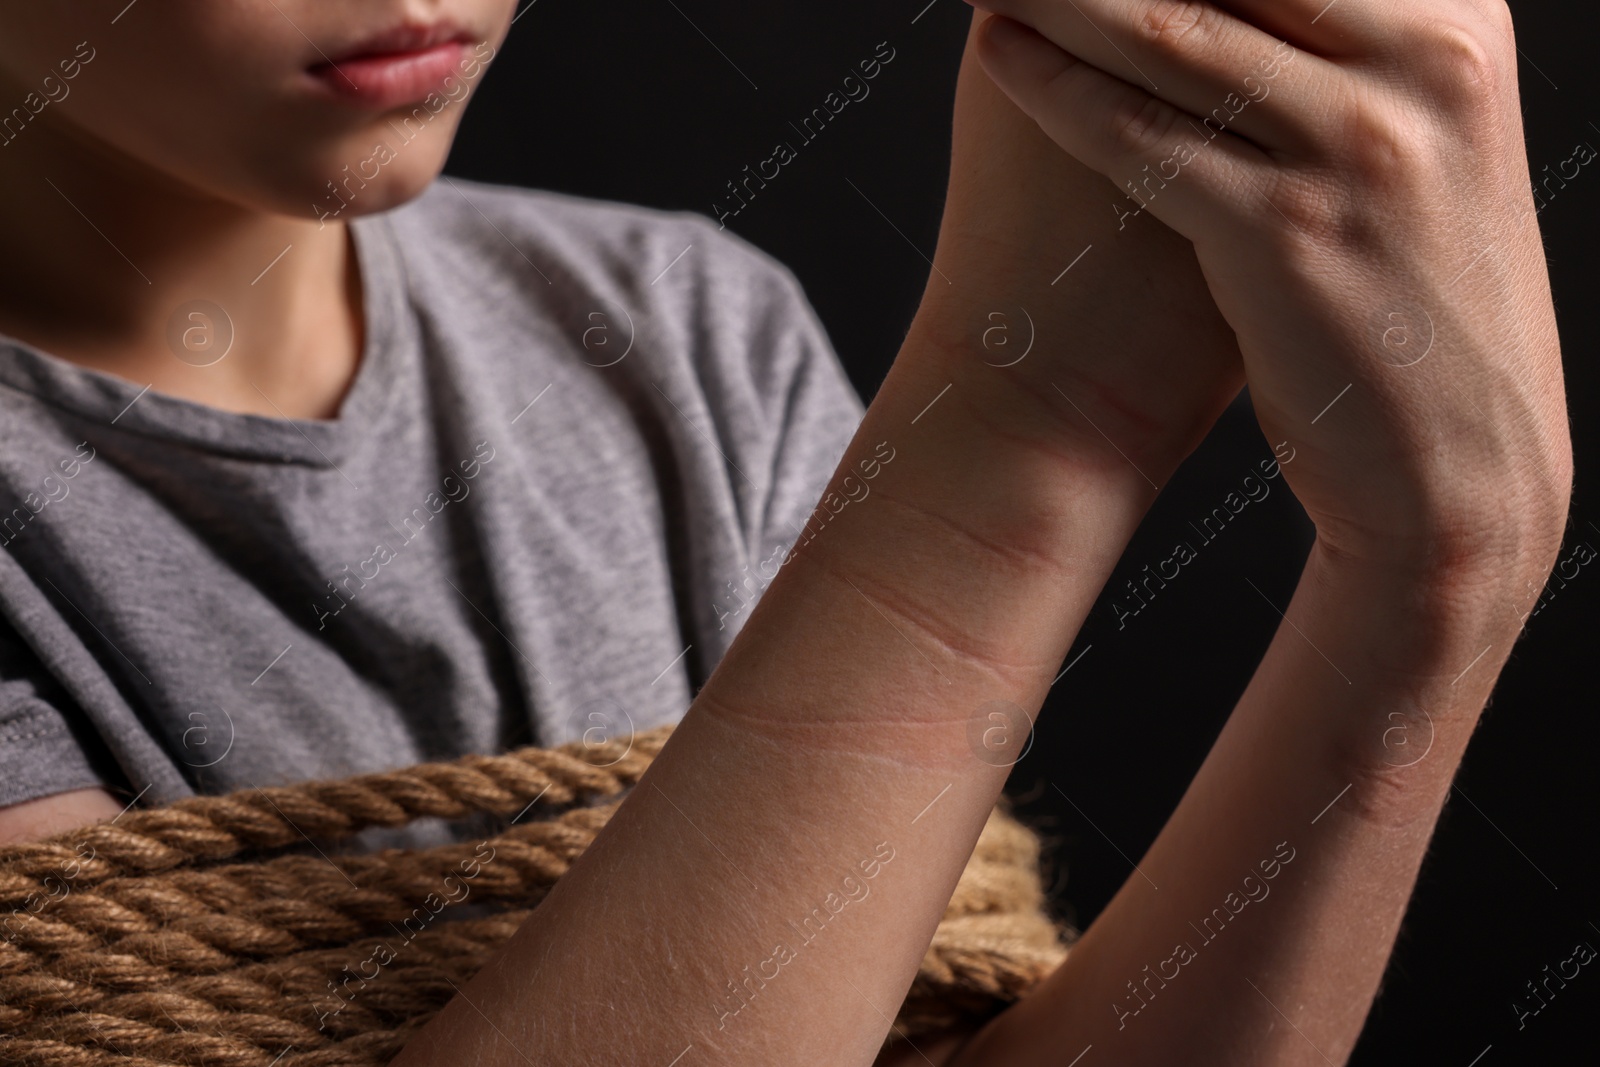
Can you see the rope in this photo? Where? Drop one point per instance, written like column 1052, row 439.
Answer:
column 215, row 828
column 178, row 936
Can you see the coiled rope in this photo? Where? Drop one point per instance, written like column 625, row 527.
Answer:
column 185, row 935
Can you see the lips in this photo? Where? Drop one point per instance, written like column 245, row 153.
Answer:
column 397, row 67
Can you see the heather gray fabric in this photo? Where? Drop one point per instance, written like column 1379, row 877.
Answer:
column 196, row 600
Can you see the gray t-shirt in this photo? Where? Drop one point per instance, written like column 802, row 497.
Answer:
column 578, row 432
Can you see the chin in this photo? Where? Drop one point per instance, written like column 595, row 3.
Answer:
column 370, row 175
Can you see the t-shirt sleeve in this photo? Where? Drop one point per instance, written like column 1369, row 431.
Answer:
column 808, row 411
column 820, row 413
column 42, row 740
column 778, row 413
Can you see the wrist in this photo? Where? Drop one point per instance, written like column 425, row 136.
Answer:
column 1055, row 403
column 1410, row 656
column 993, row 457
column 1467, row 577
column 1409, row 623
column 1078, row 323
column 953, row 575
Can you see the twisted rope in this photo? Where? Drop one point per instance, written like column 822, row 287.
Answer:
column 208, row 829
column 175, row 937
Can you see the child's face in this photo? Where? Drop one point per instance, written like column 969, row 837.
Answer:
column 236, row 99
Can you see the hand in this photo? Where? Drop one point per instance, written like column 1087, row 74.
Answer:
column 1353, row 180
column 1130, row 361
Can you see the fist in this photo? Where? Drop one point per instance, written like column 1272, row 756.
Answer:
column 1094, row 336
column 1353, row 180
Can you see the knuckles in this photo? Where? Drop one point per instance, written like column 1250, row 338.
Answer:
column 1448, row 87
column 1447, row 93
column 1384, row 146
column 1381, row 165
column 1176, row 27
column 1464, row 70
column 1137, row 125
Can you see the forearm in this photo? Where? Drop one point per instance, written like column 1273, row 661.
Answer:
column 827, row 760
column 843, row 716
column 840, row 719
column 1285, row 871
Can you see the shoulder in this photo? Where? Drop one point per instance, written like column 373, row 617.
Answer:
column 633, row 247
column 724, row 307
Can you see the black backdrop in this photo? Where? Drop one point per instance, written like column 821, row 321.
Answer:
column 662, row 102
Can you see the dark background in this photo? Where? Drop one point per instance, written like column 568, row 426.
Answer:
column 661, row 102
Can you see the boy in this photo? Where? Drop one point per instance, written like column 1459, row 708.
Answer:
column 1288, row 153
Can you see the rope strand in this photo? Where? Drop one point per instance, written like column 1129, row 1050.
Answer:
column 209, row 829
column 175, row 936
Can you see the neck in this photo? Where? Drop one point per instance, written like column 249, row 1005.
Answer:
column 105, row 255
